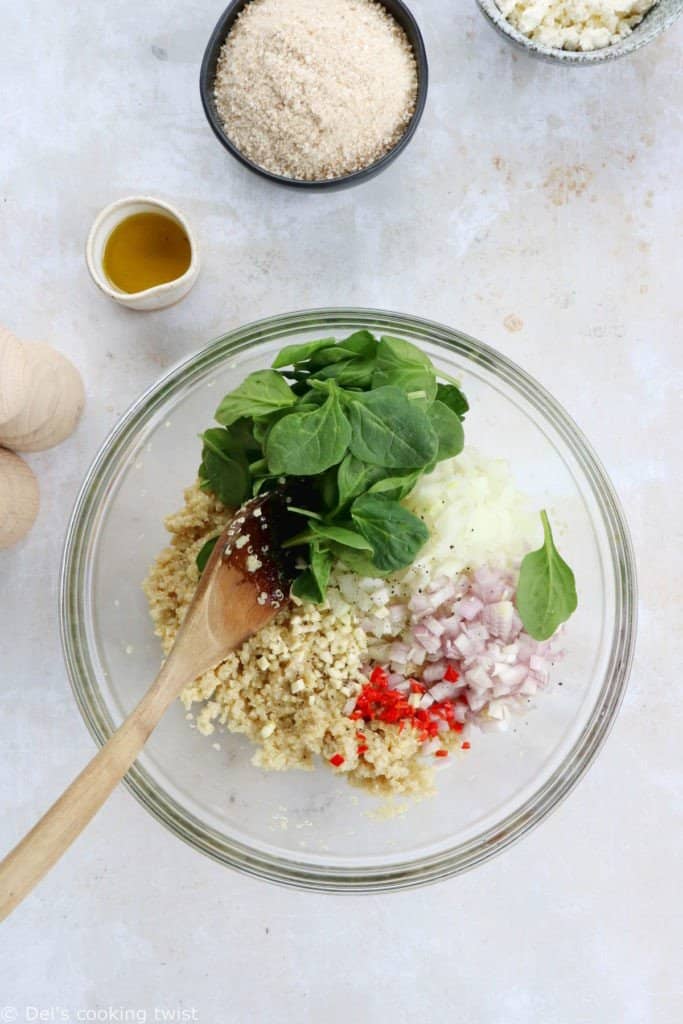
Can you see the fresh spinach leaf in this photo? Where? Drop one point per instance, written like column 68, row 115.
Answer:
column 258, row 468
column 453, row 397
column 355, row 477
column 358, row 561
column 346, row 535
column 389, row 430
column 264, row 483
column 205, row 554
column 291, row 355
column 402, row 365
column 397, row 487
column 242, row 437
column 353, row 373
column 361, row 345
column 395, row 533
column 261, row 428
column 546, row 591
column 262, row 393
column 224, row 470
column 326, row 486
column 448, row 427
column 264, row 425
column 311, row 585
column 307, row 512
column 308, row 443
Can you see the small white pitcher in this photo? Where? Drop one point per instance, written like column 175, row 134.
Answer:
column 161, row 295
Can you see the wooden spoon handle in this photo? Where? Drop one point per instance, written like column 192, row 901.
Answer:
column 33, row 857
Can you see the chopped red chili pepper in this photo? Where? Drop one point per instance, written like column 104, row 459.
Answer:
column 451, row 675
column 466, row 745
column 337, row 760
column 362, row 749
column 441, row 753
column 379, row 676
column 379, row 702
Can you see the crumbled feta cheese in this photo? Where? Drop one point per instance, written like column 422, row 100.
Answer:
column 241, row 541
column 253, row 563
column 575, row 24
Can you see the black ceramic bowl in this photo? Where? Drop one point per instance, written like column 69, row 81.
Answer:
column 208, row 74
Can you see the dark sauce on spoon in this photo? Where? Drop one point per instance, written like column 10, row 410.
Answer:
column 254, row 546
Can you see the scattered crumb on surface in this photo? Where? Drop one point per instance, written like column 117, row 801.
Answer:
column 513, row 323
column 387, row 810
column 564, row 183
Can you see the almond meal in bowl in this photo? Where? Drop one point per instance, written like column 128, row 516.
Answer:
column 315, row 95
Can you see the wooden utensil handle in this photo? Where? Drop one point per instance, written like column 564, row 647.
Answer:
column 53, row 834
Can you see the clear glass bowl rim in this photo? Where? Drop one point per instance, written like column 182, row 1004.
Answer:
column 75, row 570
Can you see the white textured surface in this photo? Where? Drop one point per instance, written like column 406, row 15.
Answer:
column 539, row 208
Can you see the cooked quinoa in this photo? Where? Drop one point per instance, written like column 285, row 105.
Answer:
column 288, row 689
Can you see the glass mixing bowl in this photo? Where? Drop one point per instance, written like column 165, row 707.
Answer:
column 311, row 829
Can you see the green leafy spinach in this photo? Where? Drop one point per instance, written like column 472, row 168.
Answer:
column 546, row 591
column 361, row 421
column 262, row 393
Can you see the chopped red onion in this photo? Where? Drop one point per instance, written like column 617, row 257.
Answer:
column 434, row 626
column 469, row 607
column 444, row 691
column 426, row 639
column 470, row 623
column 433, row 673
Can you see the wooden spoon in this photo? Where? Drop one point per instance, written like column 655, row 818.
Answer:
column 242, row 588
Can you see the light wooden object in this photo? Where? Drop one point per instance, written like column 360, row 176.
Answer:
column 228, row 607
column 54, row 402
column 13, row 378
column 19, row 498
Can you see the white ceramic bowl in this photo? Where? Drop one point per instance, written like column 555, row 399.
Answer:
column 161, row 295
column 655, row 21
